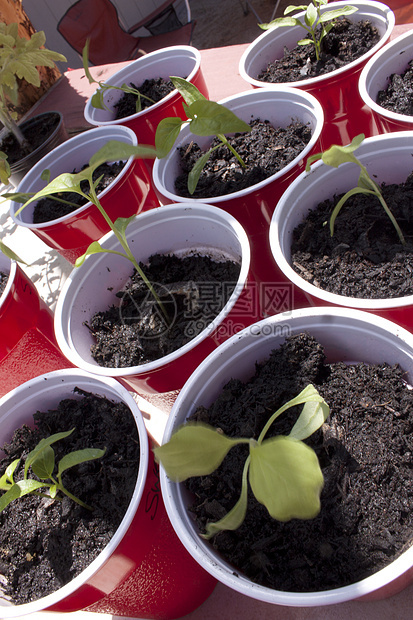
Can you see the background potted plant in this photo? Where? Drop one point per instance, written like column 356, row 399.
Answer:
column 347, row 336
column 129, row 193
column 344, row 111
column 142, row 546
column 387, row 159
column 384, row 70
column 254, row 205
column 19, row 59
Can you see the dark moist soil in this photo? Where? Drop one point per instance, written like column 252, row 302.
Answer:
column 265, row 151
column 3, row 281
column 44, row 544
column 48, row 209
column 398, row 95
column 193, row 291
column 34, row 135
column 364, row 258
column 155, row 89
column 364, row 449
column 346, row 42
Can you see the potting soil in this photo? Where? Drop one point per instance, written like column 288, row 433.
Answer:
column 364, row 450
column 364, row 258
column 192, row 289
column 265, row 151
column 398, row 94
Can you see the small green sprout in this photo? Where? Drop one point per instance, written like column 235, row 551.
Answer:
column 41, row 460
column 283, row 472
column 313, row 19
column 71, row 182
column 98, row 98
column 205, row 118
column 337, row 155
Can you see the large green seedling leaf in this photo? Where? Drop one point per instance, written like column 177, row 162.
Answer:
column 286, row 478
column 194, row 450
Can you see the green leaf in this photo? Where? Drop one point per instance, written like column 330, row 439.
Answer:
column 53, row 491
column 43, row 463
column 65, row 182
column 210, row 118
column 305, row 42
column 166, row 134
column 42, row 445
column 291, row 8
column 236, row 515
column 97, row 99
column 114, row 150
column 122, row 223
column 281, row 22
column 336, row 154
column 311, row 15
column 194, row 450
column 286, row 478
column 21, row 488
column 94, row 248
column 313, row 415
column 10, row 254
column 7, row 477
column 77, row 457
column 4, row 169
column 329, row 15
column 187, row 90
column 195, row 173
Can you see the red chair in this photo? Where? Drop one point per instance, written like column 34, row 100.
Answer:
column 98, row 21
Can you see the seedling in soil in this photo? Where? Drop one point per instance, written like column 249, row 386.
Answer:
column 205, row 118
column 316, row 23
column 19, row 59
column 283, row 472
column 337, row 155
column 41, row 460
column 98, row 98
column 71, row 182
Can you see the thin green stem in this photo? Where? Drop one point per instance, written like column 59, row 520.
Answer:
column 231, row 148
column 128, row 254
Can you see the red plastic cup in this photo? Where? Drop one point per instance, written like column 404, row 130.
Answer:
column 130, row 193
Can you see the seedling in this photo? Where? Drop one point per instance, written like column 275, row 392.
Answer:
column 283, row 472
column 316, row 23
column 205, row 118
column 71, row 182
column 99, row 96
column 19, row 59
column 41, row 460
column 337, row 155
